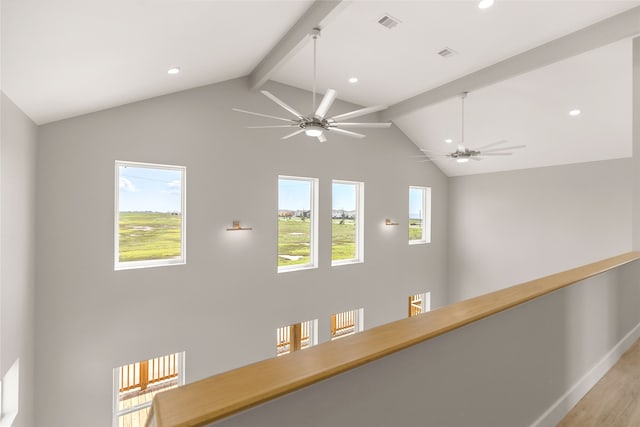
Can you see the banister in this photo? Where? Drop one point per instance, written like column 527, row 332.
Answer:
column 219, row 396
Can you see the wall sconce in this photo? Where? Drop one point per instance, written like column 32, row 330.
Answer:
column 389, row 222
column 236, row 227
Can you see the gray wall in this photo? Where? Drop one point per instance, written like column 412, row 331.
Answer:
column 502, row 371
column 17, row 251
column 224, row 306
column 510, row 227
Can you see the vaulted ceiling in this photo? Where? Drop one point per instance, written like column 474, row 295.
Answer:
column 69, row 57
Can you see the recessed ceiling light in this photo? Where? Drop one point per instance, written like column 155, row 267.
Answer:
column 485, row 4
column 174, row 70
column 448, row 140
column 353, row 80
column 575, row 112
column 462, row 159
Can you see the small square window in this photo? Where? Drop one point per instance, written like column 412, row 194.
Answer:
column 296, row 337
column 135, row 385
column 347, row 323
column 419, row 303
column 419, row 215
column 150, row 215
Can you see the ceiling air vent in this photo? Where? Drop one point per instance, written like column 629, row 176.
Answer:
column 388, row 21
column 447, row 52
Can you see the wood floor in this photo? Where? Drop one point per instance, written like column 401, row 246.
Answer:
column 615, row 400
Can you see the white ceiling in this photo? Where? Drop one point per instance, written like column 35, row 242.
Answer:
column 68, row 57
column 62, row 58
column 532, row 109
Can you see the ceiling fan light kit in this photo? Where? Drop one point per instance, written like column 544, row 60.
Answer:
column 317, row 124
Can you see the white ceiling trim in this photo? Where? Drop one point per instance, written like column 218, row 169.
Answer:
column 618, row 27
column 318, row 14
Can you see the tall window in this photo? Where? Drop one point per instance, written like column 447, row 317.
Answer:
column 135, row 385
column 347, row 323
column 419, row 215
column 419, row 303
column 296, row 337
column 297, row 225
column 346, row 222
column 150, row 215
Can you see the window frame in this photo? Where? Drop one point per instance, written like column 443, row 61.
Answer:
column 359, row 217
column 129, row 265
column 312, row 325
column 358, row 323
column 313, row 244
column 117, row 413
column 426, row 215
column 425, row 306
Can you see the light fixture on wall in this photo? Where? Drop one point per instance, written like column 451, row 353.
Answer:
column 236, row 227
column 389, row 222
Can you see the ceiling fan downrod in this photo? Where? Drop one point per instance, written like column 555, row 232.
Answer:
column 315, row 33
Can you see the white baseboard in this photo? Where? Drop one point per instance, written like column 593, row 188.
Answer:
column 562, row 406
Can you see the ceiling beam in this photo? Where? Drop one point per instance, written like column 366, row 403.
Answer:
column 618, row 27
column 316, row 16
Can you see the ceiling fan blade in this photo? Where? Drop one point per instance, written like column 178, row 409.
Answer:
column 326, row 103
column 293, row 134
column 345, row 132
column 281, row 103
column 502, row 141
column 263, row 115
column 322, row 138
column 495, row 154
column 292, row 125
column 358, row 113
column 361, row 125
column 502, row 149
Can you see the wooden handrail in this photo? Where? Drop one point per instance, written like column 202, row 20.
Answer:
column 217, row 397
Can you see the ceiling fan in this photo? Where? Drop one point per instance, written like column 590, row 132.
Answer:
column 464, row 154
column 316, row 124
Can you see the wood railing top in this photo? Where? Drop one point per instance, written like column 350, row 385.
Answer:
column 217, row 397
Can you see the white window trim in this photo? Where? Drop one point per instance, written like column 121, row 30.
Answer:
column 358, row 322
column 10, row 395
column 426, row 215
column 128, row 265
column 116, row 391
column 313, row 246
column 359, row 224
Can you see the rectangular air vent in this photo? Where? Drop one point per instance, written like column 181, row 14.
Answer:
column 388, row 21
column 447, row 52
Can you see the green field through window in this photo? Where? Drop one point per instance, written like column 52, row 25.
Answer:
column 295, row 221
column 150, row 222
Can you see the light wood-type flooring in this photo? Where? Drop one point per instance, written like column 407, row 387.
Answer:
column 615, row 400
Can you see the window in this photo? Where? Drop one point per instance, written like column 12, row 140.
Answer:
column 135, row 385
column 150, row 215
column 296, row 337
column 419, row 215
column 9, row 394
column 347, row 323
column 346, row 222
column 297, row 225
column 419, row 303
